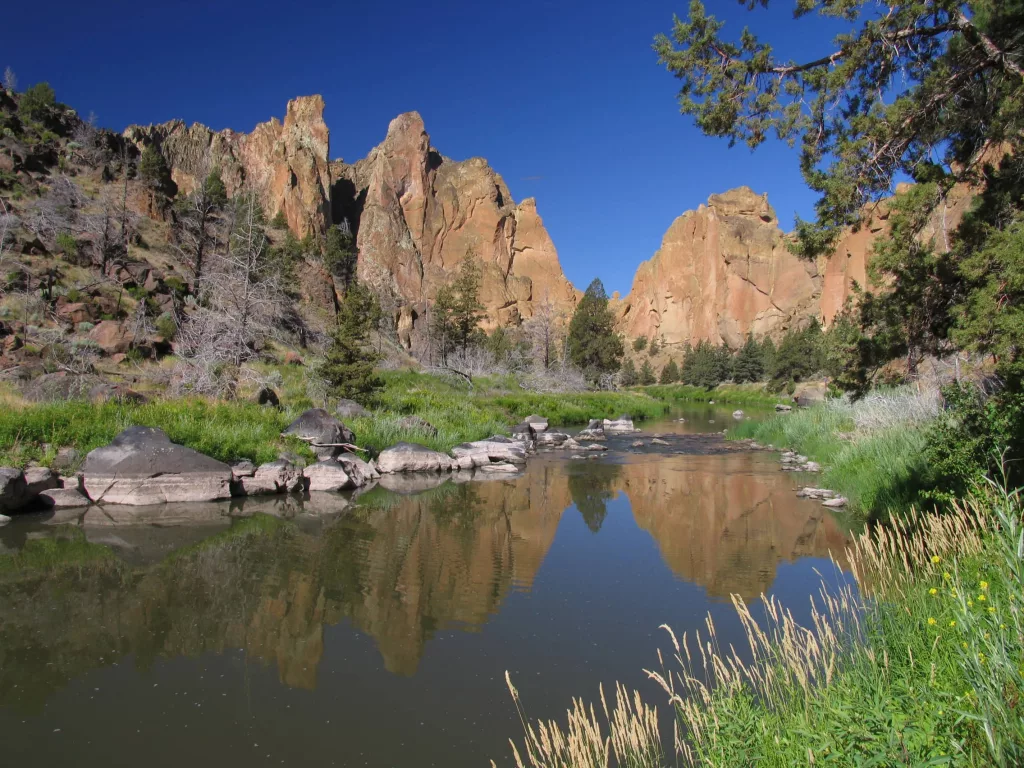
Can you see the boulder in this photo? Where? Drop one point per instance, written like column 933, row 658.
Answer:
column 361, row 472
column 142, row 466
column 783, row 408
column 537, row 423
column 13, row 489
column 243, row 468
column 637, row 444
column 738, row 415
column 551, row 439
column 327, row 476
column 659, row 441
column 39, row 479
column 322, row 431
column 483, row 452
column 412, row 457
column 594, row 431
column 622, row 424
column 350, row 409
column 835, row 503
column 273, row 477
column 111, row 336
column 500, row 467
column 66, row 459
column 63, row 498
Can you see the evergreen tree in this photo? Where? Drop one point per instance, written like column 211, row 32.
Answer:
column 36, row 102
column 627, row 375
column 704, row 366
column 670, row 373
column 798, row 356
column 154, row 172
column 593, row 344
column 457, row 310
column 640, row 344
column 350, row 361
column 215, row 190
column 647, row 373
column 341, row 256
column 749, row 362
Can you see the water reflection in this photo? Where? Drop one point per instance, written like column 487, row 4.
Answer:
column 399, row 568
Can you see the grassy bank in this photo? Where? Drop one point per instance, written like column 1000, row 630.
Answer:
column 233, row 430
column 919, row 663
column 726, row 394
column 872, row 450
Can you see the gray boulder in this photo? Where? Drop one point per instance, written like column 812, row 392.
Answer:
column 63, row 498
column 66, row 459
column 13, row 489
column 243, row 468
column 361, row 472
column 551, row 439
column 537, row 423
column 622, row 424
column 274, row 477
column 482, row 452
column 350, row 409
column 39, row 479
column 412, row 457
column 327, row 476
column 322, row 431
column 502, row 467
column 142, row 466
column 738, row 415
column 594, row 431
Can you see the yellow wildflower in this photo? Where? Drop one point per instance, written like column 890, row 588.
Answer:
column 981, row 598
column 933, row 591
column 981, row 657
column 983, row 584
column 946, row 576
column 991, row 609
column 963, row 645
column 936, row 559
column 1002, row 626
column 952, row 623
column 970, row 603
column 931, row 621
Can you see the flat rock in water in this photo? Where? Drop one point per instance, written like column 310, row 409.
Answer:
column 659, row 441
column 322, row 431
column 63, row 498
column 142, row 466
column 551, row 439
column 500, row 467
column 839, row 501
column 412, row 457
column 479, row 453
column 537, row 423
column 327, row 476
column 738, row 415
column 273, row 477
column 361, row 472
column 622, row 424
column 637, row 444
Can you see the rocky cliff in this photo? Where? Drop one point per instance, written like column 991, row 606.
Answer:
column 418, row 215
column 287, row 163
column 722, row 272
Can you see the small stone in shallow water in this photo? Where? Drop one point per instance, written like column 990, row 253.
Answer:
column 659, row 441
column 839, row 501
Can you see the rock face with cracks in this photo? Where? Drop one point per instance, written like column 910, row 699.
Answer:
column 142, row 466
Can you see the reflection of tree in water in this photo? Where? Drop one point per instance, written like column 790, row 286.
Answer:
column 591, row 485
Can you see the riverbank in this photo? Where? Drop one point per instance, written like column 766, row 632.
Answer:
column 724, row 394
column 916, row 663
column 871, row 450
column 413, row 407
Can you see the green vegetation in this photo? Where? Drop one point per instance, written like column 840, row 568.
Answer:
column 594, row 347
column 153, row 169
column 919, row 663
column 349, row 364
column 36, row 102
column 640, row 344
column 670, row 373
column 457, row 310
column 728, row 394
column 234, row 430
column 628, row 376
column 646, row 375
column 340, row 256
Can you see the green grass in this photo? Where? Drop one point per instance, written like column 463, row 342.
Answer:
column 921, row 663
column 877, row 471
column 68, row 550
column 727, row 394
column 241, row 430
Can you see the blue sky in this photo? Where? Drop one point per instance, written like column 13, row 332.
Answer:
column 564, row 98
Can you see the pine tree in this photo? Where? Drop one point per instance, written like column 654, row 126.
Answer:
column 36, row 102
column 350, row 361
column 670, row 373
column 154, row 172
column 341, row 256
column 647, row 373
column 749, row 363
column 215, row 190
column 705, row 366
column 593, row 344
column 456, row 313
column 628, row 375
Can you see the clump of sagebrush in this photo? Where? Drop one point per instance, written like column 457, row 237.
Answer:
column 916, row 662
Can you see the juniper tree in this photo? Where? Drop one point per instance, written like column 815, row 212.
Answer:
column 670, row 373
column 593, row 344
column 647, row 373
column 349, row 364
column 749, row 362
column 927, row 89
column 628, row 375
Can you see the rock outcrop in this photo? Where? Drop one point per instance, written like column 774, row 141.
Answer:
column 287, row 163
column 418, row 215
column 142, row 466
column 722, row 271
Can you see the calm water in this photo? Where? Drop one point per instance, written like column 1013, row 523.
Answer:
column 377, row 631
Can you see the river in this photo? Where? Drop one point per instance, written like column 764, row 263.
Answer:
column 377, row 631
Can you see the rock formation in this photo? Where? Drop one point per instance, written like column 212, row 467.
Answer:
column 418, row 215
column 722, row 272
column 287, row 163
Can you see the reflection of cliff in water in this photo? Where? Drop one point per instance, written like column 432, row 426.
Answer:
column 398, row 567
column 722, row 525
